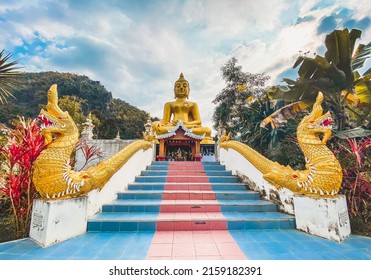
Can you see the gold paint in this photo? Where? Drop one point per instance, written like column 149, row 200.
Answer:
column 53, row 176
column 184, row 110
column 323, row 174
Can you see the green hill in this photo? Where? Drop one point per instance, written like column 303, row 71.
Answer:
column 113, row 114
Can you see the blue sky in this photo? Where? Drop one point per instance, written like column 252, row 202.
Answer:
column 137, row 49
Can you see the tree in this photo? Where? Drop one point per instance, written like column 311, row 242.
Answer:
column 7, row 76
column 73, row 105
column 231, row 102
column 243, row 104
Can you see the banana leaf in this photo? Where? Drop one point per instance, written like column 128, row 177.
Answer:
column 362, row 53
column 363, row 91
column 340, row 46
column 352, row 133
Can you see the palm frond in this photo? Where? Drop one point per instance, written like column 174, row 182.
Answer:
column 8, row 75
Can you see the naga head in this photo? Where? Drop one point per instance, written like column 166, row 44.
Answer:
column 56, row 123
column 316, row 122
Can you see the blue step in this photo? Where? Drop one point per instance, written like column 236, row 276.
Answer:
column 158, row 194
column 138, row 208
column 148, row 221
column 161, row 186
column 212, row 179
column 207, row 172
column 153, row 205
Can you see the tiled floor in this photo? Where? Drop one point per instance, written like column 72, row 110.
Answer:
column 200, row 245
column 254, row 244
column 183, row 216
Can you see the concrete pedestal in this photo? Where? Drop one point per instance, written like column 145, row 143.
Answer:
column 54, row 221
column 325, row 217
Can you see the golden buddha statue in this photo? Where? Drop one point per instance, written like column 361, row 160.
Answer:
column 184, row 110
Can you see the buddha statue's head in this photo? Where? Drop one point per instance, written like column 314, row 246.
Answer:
column 181, row 87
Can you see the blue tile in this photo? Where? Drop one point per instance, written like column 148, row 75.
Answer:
column 357, row 254
column 121, row 208
column 7, row 245
column 21, row 249
column 284, row 256
column 235, row 225
column 146, row 226
column 107, row 208
column 254, row 256
column 110, row 226
column 144, row 238
column 287, row 224
column 263, row 237
column 110, row 253
column 332, row 255
column 274, row 248
column 129, row 226
column 9, row 256
column 94, row 226
column 307, row 255
column 152, row 208
column 136, row 208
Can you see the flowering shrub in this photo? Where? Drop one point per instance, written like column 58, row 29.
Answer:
column 90, row 152
column 24, row 144
column 354, row 156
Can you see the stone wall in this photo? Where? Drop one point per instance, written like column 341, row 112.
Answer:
column 109, row 147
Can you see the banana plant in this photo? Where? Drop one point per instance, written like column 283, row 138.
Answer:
column 335, row 74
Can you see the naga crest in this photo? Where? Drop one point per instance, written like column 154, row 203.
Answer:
column 316, row 122
column 55, row 122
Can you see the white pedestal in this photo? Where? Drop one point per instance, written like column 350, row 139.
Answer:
column 325, row 217
column 54, row 221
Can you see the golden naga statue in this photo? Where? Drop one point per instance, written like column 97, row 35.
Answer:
column 182, row 110
column 323, row 174
column 53, row 175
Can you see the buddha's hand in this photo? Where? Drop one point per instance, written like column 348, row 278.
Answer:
column 157, row 126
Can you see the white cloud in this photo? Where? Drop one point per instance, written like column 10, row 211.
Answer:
column 137, row 52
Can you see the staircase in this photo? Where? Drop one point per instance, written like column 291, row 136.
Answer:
column 188, row 196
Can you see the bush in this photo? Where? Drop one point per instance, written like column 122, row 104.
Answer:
column 24, row 144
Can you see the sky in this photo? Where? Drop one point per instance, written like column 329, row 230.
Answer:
column 138, row 48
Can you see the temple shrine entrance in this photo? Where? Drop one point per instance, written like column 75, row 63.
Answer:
column 178, row 151
column 179, row 144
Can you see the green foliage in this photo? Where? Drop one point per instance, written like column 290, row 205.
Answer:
column 8, row 76
column 231, row 102
column 347, row 94
column 243, row 104
column 73, row 105
column 79, row 95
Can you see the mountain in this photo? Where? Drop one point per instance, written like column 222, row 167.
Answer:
column 114, row 114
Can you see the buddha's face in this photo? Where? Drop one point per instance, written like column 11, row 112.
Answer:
column 181, row 89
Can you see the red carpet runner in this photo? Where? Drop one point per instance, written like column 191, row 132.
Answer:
column 196, row 229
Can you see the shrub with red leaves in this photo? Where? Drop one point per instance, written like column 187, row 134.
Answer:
column 24, row 144
column 355, row 158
